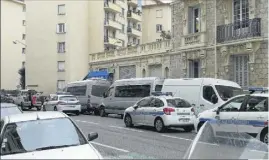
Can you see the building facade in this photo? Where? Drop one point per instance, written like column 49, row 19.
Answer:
column 226, row 39
column 156, row 21
column 12, row 42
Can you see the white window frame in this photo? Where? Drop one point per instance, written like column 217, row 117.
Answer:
column 59, row 83
column 159, row 13
column 61, row 28
column 191, row 19
column 61, row 66
column 159, row 27
column 61, row 12
column 61, row 47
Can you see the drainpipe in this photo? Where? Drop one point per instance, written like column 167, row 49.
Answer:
column 216, row 67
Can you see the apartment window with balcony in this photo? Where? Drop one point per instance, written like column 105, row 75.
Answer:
column 134, row 40
column 159, row 28
column 61, row 47
column 61, row 66
column 139, row 27
column 61, row 28
column 23, row 36
column 194, row 19
column 23, row 22
column 60, row 84
column 23, row 51
column 61, row 9
column 194, row 68
column 159, row 13
column 241, row 13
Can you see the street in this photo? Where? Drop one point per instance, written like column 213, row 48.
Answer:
column 117, row 141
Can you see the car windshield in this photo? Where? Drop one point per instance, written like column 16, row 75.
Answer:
column 68, row 98
column 227, row 92
column 178, row 103
column 6, row 111
column 158, row 87
column 40, row 135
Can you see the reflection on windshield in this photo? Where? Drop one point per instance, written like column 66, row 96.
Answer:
column 178, row 103
column 35, row 135
column 226, row 92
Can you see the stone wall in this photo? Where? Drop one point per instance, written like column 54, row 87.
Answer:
column 261, row 11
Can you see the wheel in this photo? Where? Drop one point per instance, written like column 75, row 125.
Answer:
column 55, row 108
column 159, row 125
column 44, row 108
column 102, row 112
column 264, row 136
column 199, row 126
column 77, row 113
column 22, row 107
column 38, row 108
column 96, row 112
column 187, row 129
column 128, row 121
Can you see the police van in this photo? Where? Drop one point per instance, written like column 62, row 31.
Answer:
column 161, row 110
column 247, row 113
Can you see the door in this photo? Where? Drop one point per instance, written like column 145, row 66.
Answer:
column 152, row 111
column 206, row 98
column 241, row 70
column 51, row 103
column 253, row 116
column 227, row 117
column 108, row 100
column 138, row 114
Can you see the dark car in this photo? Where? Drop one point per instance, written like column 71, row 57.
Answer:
column 9, row 109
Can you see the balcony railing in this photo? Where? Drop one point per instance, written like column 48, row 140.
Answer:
column 239, row 30
column 134, row 15
column 134, row 31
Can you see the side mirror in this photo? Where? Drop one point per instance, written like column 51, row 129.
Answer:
column 217, row 111
column 135, row 106
column 214, row 99
column 92, row 136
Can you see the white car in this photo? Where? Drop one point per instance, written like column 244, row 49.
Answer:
column 64, row 103
column 44, row 135
column 243, row 113
column 161, row 112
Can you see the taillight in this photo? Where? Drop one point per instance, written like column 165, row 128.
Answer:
column 168, row 111
column 61, row 103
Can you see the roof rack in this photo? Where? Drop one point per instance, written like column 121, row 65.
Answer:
column 255, row 89
column 162, row 93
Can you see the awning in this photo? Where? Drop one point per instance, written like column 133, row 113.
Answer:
column 97, row 74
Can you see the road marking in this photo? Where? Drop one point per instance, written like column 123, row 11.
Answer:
column 87, row 122
column 187, row 139
column 126, row 129
column 115, row 148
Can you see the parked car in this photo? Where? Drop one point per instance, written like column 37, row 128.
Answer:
column 28, row 99
column 44, row 135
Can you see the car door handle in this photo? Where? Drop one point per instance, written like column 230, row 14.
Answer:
column 202, row 105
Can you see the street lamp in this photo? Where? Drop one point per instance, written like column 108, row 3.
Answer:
column 17, row 41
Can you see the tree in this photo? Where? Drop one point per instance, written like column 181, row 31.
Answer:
column 22, row 78
column 165, row 35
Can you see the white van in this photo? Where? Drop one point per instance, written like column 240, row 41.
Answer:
column 126, row 92
column 89, row 93
column 202, row 93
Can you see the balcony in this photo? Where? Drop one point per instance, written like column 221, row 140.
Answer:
column 112, row 41
column 132, row 3
column 239, row 30
column 112, row 7
column 134, row 32
column 112, row 24
column 134, row 51
column 134, row 16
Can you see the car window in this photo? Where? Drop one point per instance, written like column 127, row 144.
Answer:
column 110, row 92
column 98, row 90
column 145, row 102
column 234, row 105
column 156, row 102
column 67, row 98
column 22, row 137
column 208, row 92
column 257, row 104
column 54, row 98
column 178, row 103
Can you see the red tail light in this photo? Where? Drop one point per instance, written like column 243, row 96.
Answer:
column 61, row 103
column 168, row 111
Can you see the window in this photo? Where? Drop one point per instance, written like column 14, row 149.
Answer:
column 158, row 87
column 61, row 84
column 23, row 51
column 156, row 102
column 240, row 13
column 159, row 13
column 61, row 28
column 145, row 102
column 23, row 22
column 208, row 92
column 122, row 12
column 132, row 91
column 178, row 103
column 61, row 66
column 159, row 28
column 233, row 106
column 257, row 104
column 139, row 27
column 98, row 90
column 54, row 98
column 23, row 36
column 61, row 47
column 77, row 90
column 23, row 64
column 194, row 68
column 226, row 92
column 194, row 19
column 24, row 8
column 61, row 9
column 123, row 28
column 138, row 41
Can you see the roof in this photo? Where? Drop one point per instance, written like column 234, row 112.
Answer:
column 88, row 80
column 7, row 105
column 138, row 79
column 32, row 116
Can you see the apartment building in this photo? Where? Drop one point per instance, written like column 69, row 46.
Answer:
column 12, row 42
column 57, row 52
column 156, row 24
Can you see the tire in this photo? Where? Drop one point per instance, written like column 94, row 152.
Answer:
column 128, row 121
column 159, row 125
column 264, row 136
column 22, row 107
column 77, row 113
column 38, row 108
column 121, row 116
column 199, row 126
column 96, row 112
column 44, row 108
column 187, row 129
column 55, row 108
column 103, row 112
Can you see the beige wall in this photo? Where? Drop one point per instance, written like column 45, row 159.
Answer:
column 12, row 29
column 150, row 20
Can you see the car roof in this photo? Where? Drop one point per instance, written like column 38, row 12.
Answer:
column 32, row 116
column 7, row 105
column 63, row 95
column 260, row 94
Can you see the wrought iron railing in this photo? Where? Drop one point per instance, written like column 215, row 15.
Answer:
column 129, row 30
column 239, row 30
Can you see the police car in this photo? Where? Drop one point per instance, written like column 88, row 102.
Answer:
column 241, row 114
column 161, row 111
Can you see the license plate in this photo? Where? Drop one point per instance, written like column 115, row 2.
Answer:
column 184, row 119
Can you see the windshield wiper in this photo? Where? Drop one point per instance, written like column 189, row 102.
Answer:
column 54, row 147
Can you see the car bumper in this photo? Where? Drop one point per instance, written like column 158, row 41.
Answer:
column 69, row 108
column 176, row 121
column 26, row 104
